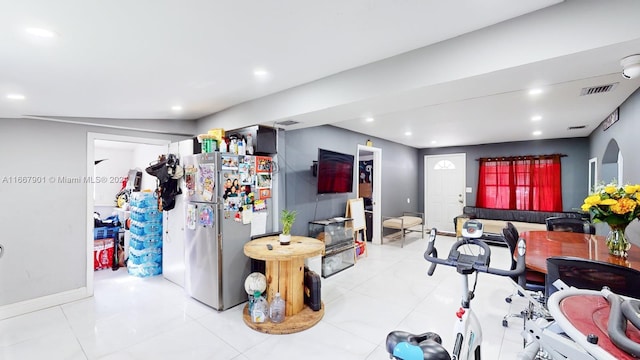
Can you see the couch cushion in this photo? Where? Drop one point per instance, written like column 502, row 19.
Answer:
column 402, row 222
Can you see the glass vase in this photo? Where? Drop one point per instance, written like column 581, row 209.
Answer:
column 617, row 242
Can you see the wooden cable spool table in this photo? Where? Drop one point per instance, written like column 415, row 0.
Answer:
column 285, row 274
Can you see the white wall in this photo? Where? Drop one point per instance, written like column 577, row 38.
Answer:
column 45, row 224
column 117, row 165
column 143, row 155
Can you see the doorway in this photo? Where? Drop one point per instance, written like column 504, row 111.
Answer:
column 445, row 179
column 369, row 160
column 95, row 200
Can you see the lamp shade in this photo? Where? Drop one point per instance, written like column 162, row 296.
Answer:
column 630, row 66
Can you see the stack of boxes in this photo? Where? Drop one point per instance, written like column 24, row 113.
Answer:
column 104, row 239
column 145, row 246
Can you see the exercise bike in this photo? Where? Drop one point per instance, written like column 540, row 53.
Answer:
column 467, row 331
column 586, row 325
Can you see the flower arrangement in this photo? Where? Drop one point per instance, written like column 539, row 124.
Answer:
column 614, row 205
column 617, row 206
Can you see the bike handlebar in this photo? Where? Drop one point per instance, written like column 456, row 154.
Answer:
column 467, row 264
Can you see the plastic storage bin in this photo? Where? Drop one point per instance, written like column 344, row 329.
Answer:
column 106, row 232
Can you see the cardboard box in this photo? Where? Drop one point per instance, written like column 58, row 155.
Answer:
column 217, row 134
column 365, row 190
column 103, row 254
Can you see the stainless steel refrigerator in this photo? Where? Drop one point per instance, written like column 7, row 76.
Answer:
column 223, row 198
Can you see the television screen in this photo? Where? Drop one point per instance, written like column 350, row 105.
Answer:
column 335, row 172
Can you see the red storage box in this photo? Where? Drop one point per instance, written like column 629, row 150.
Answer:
column 102, row 254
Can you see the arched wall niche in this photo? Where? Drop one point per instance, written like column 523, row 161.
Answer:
column 612, row 164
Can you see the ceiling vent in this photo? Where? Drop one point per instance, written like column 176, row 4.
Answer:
column 287, row 122
column 598, row 89
column 579, row 127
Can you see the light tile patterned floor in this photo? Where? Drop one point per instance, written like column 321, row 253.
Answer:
column 151, row 318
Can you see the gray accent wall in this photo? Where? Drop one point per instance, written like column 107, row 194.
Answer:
column 45, row 224
column 575, row 166
column 626, row 133
column 399, row 174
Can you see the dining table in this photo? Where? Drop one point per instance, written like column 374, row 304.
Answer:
column 544, row 244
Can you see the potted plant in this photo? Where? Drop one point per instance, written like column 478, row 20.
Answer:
column 287, row 218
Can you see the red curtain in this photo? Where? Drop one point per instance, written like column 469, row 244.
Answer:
column 520, row 183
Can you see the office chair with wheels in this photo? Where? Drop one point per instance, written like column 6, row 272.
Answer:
column 592, row 275
column 558, row 223
column 532, row 281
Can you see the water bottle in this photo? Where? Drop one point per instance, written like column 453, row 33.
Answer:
column 241, row 147
column 233, row 146
column 260, row 311
column 276, row 309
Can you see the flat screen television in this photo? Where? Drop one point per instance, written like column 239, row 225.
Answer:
column 335, row 172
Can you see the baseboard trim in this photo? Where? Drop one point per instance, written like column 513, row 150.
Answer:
column 27, row 306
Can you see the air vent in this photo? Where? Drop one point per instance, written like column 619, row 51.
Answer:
column 598, row 89
column 288, row 122
column 577, row 127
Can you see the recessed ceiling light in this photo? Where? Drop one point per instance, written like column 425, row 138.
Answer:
column 16, row 97
column 537, row 133
column 176, row 108
column 536, row 118
column 535, row 91
column 261, row 73
column 40, row 32
column 369, row 119
column 434, row 142
column 407, row 133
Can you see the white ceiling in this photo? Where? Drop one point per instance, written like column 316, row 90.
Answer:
column 454, row 72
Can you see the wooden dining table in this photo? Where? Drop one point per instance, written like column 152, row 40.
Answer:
column 542, row 245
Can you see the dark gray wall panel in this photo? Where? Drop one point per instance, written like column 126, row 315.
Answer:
column 399, row 174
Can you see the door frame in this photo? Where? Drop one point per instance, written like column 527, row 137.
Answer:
column 91, row 138
column 376, row 189
column 426, row 174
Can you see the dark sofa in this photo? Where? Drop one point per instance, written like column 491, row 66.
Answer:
column 495, row 219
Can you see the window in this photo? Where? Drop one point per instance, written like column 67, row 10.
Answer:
column 520, row 183
column 444, row 165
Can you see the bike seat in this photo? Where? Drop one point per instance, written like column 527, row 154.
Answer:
column 407, row 346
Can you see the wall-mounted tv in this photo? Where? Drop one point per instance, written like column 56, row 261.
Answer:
column 335, row 172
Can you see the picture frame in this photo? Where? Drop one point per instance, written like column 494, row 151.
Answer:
column 611, row 119
column 263, row 180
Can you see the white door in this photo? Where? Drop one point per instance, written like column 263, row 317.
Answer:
column 174, row 223
column 444, row 189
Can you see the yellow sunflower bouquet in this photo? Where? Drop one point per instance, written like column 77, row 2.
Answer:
column 616, row 206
